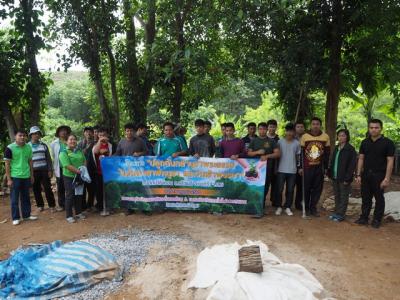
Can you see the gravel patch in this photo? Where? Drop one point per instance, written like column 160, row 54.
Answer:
column 130, row 247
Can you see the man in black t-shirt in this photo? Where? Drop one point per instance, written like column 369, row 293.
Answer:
column 375, row 166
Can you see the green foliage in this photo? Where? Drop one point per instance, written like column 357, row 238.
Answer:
column 236, row 61
column 72, row 98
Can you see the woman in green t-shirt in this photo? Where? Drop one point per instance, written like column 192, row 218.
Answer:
column 71, row 159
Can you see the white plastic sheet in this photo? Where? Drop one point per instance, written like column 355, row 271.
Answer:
column 392, row 205
column 218, row 267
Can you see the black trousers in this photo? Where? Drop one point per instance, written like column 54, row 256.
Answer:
column 274, row 190
column 299, row 192
column 370, row 188
column 88, row 195
column 60, row 190
column 313, row 184
column 41, row 178
column 342, row 193
column 99, row 192
column 71, row 200
column 266, row 186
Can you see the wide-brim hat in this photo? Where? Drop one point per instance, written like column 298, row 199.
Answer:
column 66, row 127
column 34, row 129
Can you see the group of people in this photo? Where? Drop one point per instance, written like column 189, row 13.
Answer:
column 297, row 162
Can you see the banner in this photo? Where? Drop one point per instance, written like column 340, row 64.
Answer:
column 218, row 185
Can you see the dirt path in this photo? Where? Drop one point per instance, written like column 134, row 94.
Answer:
column 351, row 262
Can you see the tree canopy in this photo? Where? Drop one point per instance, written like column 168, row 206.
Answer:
column 153, row 60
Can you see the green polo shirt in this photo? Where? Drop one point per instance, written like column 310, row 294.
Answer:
column 63, row 146
column 19, row 157
column 168, row 146
column 70, row 157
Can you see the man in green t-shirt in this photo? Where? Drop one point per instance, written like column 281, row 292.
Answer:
column 264, row 148
column 169, row 144
column 19, row 172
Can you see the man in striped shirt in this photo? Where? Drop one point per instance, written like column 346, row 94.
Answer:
column 42, row 169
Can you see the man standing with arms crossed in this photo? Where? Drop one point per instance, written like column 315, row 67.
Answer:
column 374, row 169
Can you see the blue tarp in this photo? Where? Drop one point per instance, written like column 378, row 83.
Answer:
column 55, row 270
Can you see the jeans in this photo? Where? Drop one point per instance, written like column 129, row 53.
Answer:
column 370, row 187
column 41, row 178
column 20, row 191
column 342, row 192
column 71, row 200
column 290, row 180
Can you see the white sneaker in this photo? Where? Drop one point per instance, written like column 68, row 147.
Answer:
column 278, row 211
column 16, row 222
column 32, row 218
column 288, row 212
column 71, row 220
column 81, row 217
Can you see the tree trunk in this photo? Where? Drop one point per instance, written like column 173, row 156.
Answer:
column 133, row 92
column 334, row 82
column 35, row 84
column 113, row 75
column 8, row 118
column 114, row 92
column 97, row 78
column 150, row 34
column 179, row 67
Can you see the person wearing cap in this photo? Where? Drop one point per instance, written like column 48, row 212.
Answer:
column 42, row 169
column 18, row 160
column 56, row 147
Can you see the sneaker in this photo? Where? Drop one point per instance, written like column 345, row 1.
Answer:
column 278, row 211
column 376, row 224
column 16, row 222
column 40, row 209
column 338, row 218
column 32, row 218
column 288, row 211
column 362, row 221
column 333, row 216
column 58, row 209
column 71, row 220
column 81, row 216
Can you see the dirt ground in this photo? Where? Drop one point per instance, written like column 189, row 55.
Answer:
column 350, row 261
